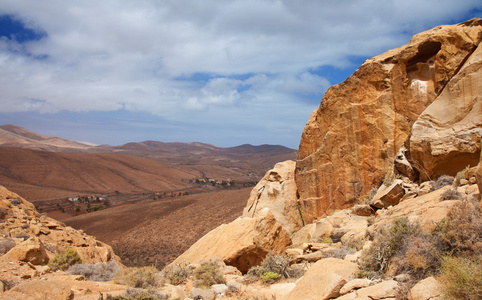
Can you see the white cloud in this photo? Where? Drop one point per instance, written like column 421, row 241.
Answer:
column 257, row 56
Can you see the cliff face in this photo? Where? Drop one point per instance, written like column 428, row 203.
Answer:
column 351, row 140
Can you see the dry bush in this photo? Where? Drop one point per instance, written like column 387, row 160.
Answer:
column 139, row 294
column 451, row 194
column 387, row 243
column 462, row 277
column 143, row 277
column 177, row 273
column 208, row 274
column 442, row 181
column 6, row 245
column 64, row 260
column 460, row 233
column 390, row 177
column 96, row 272
column 339, row 252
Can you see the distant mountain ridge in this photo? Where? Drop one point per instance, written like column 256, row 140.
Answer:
column 16, row 136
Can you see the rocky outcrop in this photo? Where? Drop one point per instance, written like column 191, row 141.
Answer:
column 277, row 191
column 351, row 140
column 447, row 134
column 39, row 238
column 324, row 279
column 243, row 243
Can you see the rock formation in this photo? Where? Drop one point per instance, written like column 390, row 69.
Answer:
column 243, row 243
column 38, row 238
column 277, row 191
column 447, row 134
column 351, row 140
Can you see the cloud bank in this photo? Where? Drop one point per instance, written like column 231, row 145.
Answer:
column 255, row 67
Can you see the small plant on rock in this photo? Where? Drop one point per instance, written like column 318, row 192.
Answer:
column 64, row 260
column 276, row 264
column 270, row 277
column 96, row 272
column 208, row 274
column 177, row 273
column 451, row 194
column 142, row 277
column 442, row 181
column 390, row 177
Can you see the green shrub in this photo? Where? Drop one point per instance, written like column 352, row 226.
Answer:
column 327, row 240
column 208, row 274
column 64, row 260
column 276, row 264
column 142, row 277
column 462, row 277
column 270, row 277
column 96, row 272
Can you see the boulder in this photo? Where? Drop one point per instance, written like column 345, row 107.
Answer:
column 382, row 290
column 42, row 289
column 243, row 243
column 32, row 251
column 447, row 134
column 426, row 289
column 197, row 293
column 354, row 285
column 351, row 140
column 388, row 195
column 304, row 235
column 277, row 191
column 324, row 279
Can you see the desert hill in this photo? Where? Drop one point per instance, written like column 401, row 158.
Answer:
column 42, row 174
column 252, row 161
column 16, row 136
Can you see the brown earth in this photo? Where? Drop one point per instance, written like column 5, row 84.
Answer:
column 41, row 175
column 154, row 232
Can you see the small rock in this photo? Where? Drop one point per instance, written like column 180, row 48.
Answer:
column 204, row 294
column 464, row 182
column 384, row 289
column 472, row 180
column 220, row 289
column 354, row 285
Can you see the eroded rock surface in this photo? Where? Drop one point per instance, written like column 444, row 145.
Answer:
column 353, row 137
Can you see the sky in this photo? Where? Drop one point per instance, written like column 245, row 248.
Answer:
column 223, row 72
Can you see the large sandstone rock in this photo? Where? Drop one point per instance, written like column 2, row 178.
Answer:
column 324, row 279
column 32, row 251
column 353, row 137
column 243, row 243
column 41, row 289
column 447, row 134
column 277, row 191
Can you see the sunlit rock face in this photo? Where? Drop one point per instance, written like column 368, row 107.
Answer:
column 447, row 134
column 350, row 141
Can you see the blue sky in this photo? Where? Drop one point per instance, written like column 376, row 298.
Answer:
column 224, row 72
